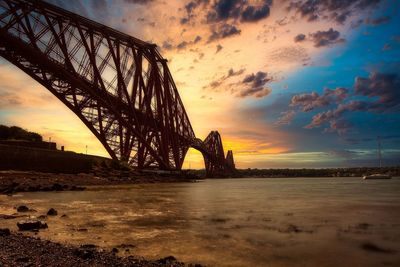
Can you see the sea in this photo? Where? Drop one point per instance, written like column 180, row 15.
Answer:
column 230, row 222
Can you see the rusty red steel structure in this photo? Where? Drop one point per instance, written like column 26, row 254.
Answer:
column 119, row 86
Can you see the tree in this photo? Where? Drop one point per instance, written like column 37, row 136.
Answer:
column 17, row 133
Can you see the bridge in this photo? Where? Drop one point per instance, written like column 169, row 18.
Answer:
column 119, row 86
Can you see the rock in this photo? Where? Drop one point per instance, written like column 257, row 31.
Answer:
column 219, row 220
column 363, row 226
column 4, row 232
column 22, row 259
column 8, row 217
column 42, row 217
column 9, row 189
column 126, row 246
column 374, row 248
column 84, row 253
column 57, row 187
column 77, row 188
column 22, row 208
column 293, row 228
column 96, row 224
column 114, row 250
column 88, row 246
column 33, row 189
column 52, row 212
column 167, row 260
column 64, row 216
column 31, row 225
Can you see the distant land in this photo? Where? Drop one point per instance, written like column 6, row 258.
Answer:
column 293, row 173
column 15, row 136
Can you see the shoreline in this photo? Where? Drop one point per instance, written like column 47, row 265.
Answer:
column 25, row 248
column 17, row 249
column 12, row 182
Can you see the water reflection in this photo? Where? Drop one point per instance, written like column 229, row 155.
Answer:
column 243, row 222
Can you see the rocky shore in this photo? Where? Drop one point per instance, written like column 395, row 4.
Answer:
column 29, row 181
column 20, row 244
column 19, row 250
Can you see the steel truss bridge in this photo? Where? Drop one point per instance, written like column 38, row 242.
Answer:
column 119, row 86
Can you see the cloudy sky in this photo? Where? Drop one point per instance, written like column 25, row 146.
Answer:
column 287, row 83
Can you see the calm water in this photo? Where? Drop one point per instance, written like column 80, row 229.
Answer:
column 234, row 222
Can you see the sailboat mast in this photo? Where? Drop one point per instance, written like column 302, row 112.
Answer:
column 379, row 152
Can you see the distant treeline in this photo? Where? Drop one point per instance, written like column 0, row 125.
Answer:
column 17, row 133
column 332, row 172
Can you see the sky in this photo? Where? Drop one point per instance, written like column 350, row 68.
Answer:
column 288, row 84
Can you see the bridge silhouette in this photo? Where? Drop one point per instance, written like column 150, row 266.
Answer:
column 119, row 86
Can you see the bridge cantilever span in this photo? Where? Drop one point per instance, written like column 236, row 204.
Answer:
column 119, row 86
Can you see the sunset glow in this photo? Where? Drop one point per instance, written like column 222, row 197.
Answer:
column 284, row 85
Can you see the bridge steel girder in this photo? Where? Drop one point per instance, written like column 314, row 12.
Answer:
column 214, row 157
column 230, row 161
column 119, row 86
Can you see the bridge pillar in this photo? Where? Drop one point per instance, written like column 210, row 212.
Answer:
column 216, row 163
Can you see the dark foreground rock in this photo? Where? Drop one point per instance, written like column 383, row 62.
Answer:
column 4, row 232
column 52, row 212
column 374, row 248
column 31, row 225
column 9, row 217
column 20, row 250
column 22, row 208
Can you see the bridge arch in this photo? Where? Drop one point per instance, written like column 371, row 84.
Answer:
column 214, row 156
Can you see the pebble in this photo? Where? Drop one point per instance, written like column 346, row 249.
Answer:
column 52, row 212
column 22, row 208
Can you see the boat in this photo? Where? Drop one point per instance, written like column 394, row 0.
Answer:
column 378, row 176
